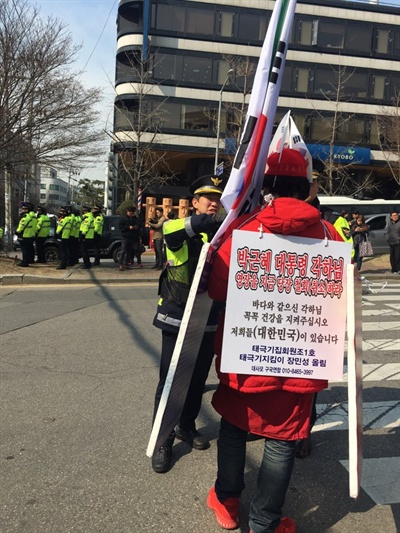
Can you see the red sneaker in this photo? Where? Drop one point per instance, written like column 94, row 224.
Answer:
column 286, row 526
column 226, row 513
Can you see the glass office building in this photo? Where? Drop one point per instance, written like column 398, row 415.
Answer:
column 174, row 56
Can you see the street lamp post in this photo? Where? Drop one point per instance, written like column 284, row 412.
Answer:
column 228, row 75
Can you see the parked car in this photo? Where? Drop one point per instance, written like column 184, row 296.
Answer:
column 110, row 242
column 378, row 227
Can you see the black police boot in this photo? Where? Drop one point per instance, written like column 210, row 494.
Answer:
column 192, row 437
column 161, row 460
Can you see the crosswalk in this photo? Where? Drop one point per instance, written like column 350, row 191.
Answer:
column 381, row 373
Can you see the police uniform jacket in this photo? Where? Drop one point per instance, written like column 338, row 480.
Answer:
column 27, row 226
column 184, row 238
column 43, row 226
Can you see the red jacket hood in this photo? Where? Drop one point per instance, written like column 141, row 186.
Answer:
column 288, row 216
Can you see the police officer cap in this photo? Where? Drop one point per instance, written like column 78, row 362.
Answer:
column 317, row 168
column 25, row 205
column 42, row 209
column 97, row 207
column 209, row 184
column 85, row 208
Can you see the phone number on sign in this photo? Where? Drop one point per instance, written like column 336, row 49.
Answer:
column 278, row 370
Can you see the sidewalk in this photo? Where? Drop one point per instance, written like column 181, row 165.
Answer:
column 374, row 268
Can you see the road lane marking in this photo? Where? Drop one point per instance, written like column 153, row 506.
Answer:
column 376, row 415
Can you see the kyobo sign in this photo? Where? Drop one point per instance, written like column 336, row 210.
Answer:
column 341, row 154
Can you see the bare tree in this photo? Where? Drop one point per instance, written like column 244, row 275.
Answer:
column 141, row 164
column 46, row 115
column 244, row 69
column 335, row 179
column 388, row 126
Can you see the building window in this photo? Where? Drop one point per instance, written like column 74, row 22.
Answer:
column 53, row 187
column 43, row 197
column 350, row 130
column 170, row 18
column 330, row 35
column 396, row 43
column 42, row 185
column 301, row 77
column 354, row 84
column 373, row 132
column 252, row 27
column 382, row 41
column 358, row 38
column 394, row 86
column 321, row 128
column 378, row 87
column 167, row 67
column 305, row 32
column 197, row 70
column 195, row 117
column 54, row 196
column 171, row 117
column 200, row 21
column 226, row 24
column 326, row 82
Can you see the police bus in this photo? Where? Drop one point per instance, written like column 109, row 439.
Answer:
column 332, row 206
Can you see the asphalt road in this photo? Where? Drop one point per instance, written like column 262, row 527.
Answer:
column 78, row 373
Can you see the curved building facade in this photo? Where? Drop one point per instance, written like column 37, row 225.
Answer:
column 175, row 56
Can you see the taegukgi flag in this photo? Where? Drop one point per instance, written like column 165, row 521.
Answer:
column 241, row 194
column 288, row 136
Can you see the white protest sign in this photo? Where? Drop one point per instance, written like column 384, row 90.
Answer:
column 286, row 306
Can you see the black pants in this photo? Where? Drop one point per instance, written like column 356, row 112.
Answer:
column 130, row 249
column 65, row 255
column 28, row 252
column 97, row 247
column 73, row 256
column 158, row 249
column 194, row 396
column 394, row 257
column 39, row 241
column 85, row 245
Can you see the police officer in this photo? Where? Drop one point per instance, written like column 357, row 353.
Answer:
column 77, row 228
column 86, row 236
column 26, row 232
column 184, row 239
column 42, row 232
column 98, row 232
column 62, row 232
column 73, row 258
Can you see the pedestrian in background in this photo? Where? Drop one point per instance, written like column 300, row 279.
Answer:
column 156, row 224
column 42, row 232
column 26, row 232
column 393, row 239
column 359, row 233
column 98, row 233
column 130, row 227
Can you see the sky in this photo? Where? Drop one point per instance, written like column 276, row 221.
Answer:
column 92, row 24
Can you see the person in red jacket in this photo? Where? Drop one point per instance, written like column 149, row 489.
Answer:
column 277, row 408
